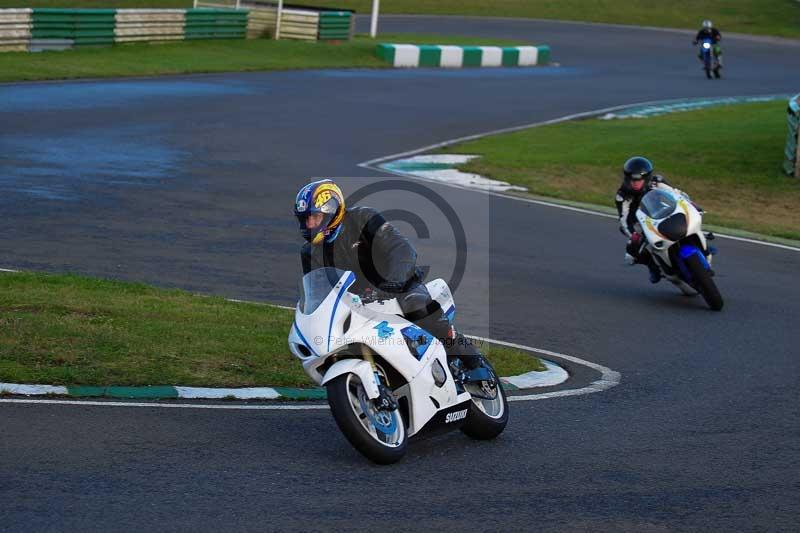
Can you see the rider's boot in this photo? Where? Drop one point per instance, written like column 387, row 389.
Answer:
column 455, row 344
column 462, row 348
column 655, row 272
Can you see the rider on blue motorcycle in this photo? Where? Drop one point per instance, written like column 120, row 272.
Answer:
column 708, row 31
column 360, row 240
column 638, row 180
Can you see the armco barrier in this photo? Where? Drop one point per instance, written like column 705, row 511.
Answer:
column 419, row 55
column 335, row 25
column 299, row 24
column 15, row 30
column 791, row 162
column 261, row 21
column 215, row 24
column 58, row 29
column 82, row 26
column 149, row 25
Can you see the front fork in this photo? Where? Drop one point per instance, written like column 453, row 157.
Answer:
column 385, row 400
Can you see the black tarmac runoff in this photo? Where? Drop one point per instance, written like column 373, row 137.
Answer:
column 189, row 181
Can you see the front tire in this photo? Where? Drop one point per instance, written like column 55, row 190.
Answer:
column 704, row 283
column 487, row 417
column 379, row 435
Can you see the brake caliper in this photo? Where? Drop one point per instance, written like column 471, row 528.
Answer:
column 385, row 401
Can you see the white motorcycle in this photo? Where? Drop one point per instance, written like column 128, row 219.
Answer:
column 387, row 379
column 672, row 228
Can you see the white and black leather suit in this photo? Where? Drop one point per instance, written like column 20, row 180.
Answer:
column 627, row 201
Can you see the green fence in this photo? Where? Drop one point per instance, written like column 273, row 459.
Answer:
column 791, row 162
column 215, row 24
column 82, row 26
column 334, row 25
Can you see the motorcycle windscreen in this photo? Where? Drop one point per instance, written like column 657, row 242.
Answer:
column 317, row 285
column 658, row 204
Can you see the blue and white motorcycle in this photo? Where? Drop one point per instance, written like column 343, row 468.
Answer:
column 387, row 379
column 709, row 55
column 672, row 226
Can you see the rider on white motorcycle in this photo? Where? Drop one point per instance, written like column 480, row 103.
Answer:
column 360, row 240
column 638, row 180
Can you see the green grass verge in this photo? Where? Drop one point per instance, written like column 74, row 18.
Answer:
column 727, row 158
column 71, row 330
column 143, row 59
column 768, row 17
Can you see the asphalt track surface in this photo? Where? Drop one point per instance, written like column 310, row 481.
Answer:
column 188, row 182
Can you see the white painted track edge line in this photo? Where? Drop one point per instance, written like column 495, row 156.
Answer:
column 545, row 203
column 586, row 114
column 609, row 378
column 565, row 118
column 171, row 405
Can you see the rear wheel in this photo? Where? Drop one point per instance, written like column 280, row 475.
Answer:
column 488, row 414
column 378, row 434
column 704, row 283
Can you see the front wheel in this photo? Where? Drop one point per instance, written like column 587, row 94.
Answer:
column 704, row 283
column 380, row 435
column 488, row 414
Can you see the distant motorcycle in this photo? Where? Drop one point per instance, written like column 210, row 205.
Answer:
column 672, row 226
column 710, row 58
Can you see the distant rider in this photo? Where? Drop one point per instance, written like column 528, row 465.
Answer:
column 637, row 180
column 360, row 240
column 708, row 31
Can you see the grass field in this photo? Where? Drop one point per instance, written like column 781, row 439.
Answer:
column 70, row 330
column 727, row 158
column 769, row 17
column 142, row 59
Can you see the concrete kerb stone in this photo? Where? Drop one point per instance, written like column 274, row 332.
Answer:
column 451, row 56
column 554, row 375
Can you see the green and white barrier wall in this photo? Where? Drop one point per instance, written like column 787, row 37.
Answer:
column 57, row 29
column 296, row 22
column 420, row 55
column 791, row 161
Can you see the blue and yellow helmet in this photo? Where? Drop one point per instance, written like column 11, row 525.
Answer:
column 324, row 197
